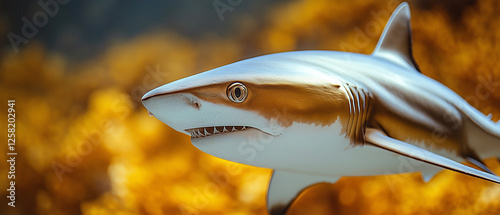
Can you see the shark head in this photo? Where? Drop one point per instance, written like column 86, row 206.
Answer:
column 261, row 99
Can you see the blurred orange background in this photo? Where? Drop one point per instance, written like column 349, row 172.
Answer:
column 86, row 145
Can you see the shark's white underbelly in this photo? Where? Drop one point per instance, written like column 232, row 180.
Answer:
column 319, row 150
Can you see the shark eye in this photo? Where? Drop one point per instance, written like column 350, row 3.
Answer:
column 237, row 92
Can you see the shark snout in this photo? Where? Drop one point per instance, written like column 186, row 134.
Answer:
column 154, row 93
column 179, row 111
column 184, row 112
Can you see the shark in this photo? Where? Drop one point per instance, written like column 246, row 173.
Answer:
column 316, row 116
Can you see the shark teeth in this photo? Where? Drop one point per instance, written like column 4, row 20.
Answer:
column 215, row 130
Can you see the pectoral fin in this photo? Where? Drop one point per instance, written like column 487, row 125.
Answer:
column 378, row 138
column 285, row 187
column 477, row 162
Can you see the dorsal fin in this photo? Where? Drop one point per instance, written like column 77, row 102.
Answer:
column 395, row 44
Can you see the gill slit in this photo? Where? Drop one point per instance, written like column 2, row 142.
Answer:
column 352, row 111
column 359, row 109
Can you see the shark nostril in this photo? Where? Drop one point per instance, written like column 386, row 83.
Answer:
column 193, row 102
column 197, row 105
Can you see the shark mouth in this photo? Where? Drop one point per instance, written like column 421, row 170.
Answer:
column 215, row 130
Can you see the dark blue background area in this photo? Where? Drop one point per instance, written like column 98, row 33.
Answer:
column 81, row 29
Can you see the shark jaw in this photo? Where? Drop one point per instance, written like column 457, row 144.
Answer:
column 209, row 125
column 228, row 142
column 214, row 130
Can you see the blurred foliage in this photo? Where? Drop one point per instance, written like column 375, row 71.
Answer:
column 87, row 146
